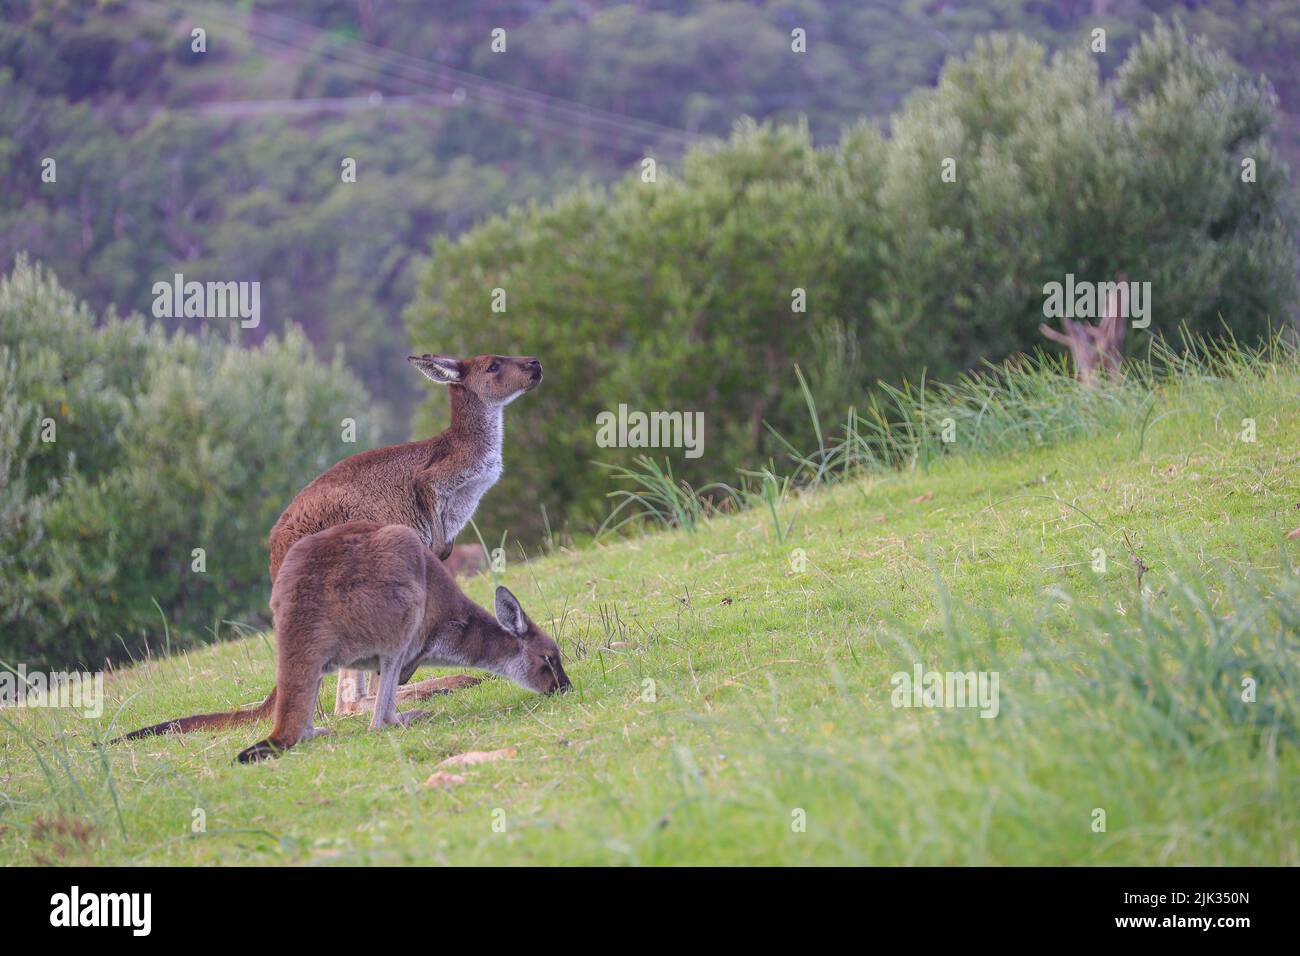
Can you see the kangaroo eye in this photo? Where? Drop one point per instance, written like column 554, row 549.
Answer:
column 494, row 367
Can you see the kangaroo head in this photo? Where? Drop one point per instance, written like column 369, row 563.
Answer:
column 496, row 379
column 536, row 664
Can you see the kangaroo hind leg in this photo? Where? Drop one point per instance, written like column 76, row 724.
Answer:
column 351, row 688
column 298, row 690
column 386, row 697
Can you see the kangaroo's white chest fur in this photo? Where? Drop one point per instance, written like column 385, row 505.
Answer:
column 459, row 495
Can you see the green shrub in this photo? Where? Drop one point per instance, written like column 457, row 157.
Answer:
column 677, row 294
column 161, row 446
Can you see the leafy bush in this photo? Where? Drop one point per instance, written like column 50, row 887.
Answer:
column 677, row 294
column 161, row 446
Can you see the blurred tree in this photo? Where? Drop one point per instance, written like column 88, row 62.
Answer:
column 122, row 450
column 927, row 251
column 165, row 167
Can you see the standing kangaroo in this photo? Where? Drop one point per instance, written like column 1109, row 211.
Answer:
column 374, row 596
column 433, row 486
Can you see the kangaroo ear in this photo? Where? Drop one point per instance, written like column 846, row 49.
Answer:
column 439, row 368
column 509, row 614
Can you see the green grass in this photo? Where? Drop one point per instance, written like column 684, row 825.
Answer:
column 770, row 636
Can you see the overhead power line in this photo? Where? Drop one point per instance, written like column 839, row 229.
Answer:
column 319, row 104
column 517, row 104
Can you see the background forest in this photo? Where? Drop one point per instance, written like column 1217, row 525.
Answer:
column 523, row 171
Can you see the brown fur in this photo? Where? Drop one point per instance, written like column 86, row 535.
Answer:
column 400, row 484
column 397, row 484
column 1097, row 350
column 369, row 595
column 432, row 486
column 466, row 560
column 375, row 597
column 183, row 725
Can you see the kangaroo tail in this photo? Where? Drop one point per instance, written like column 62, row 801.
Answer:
column 183, row 725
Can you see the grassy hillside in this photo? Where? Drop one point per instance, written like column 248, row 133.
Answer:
column 772, row 682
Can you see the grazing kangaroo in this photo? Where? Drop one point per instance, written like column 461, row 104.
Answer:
column 433, row 486
column 375, row 596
